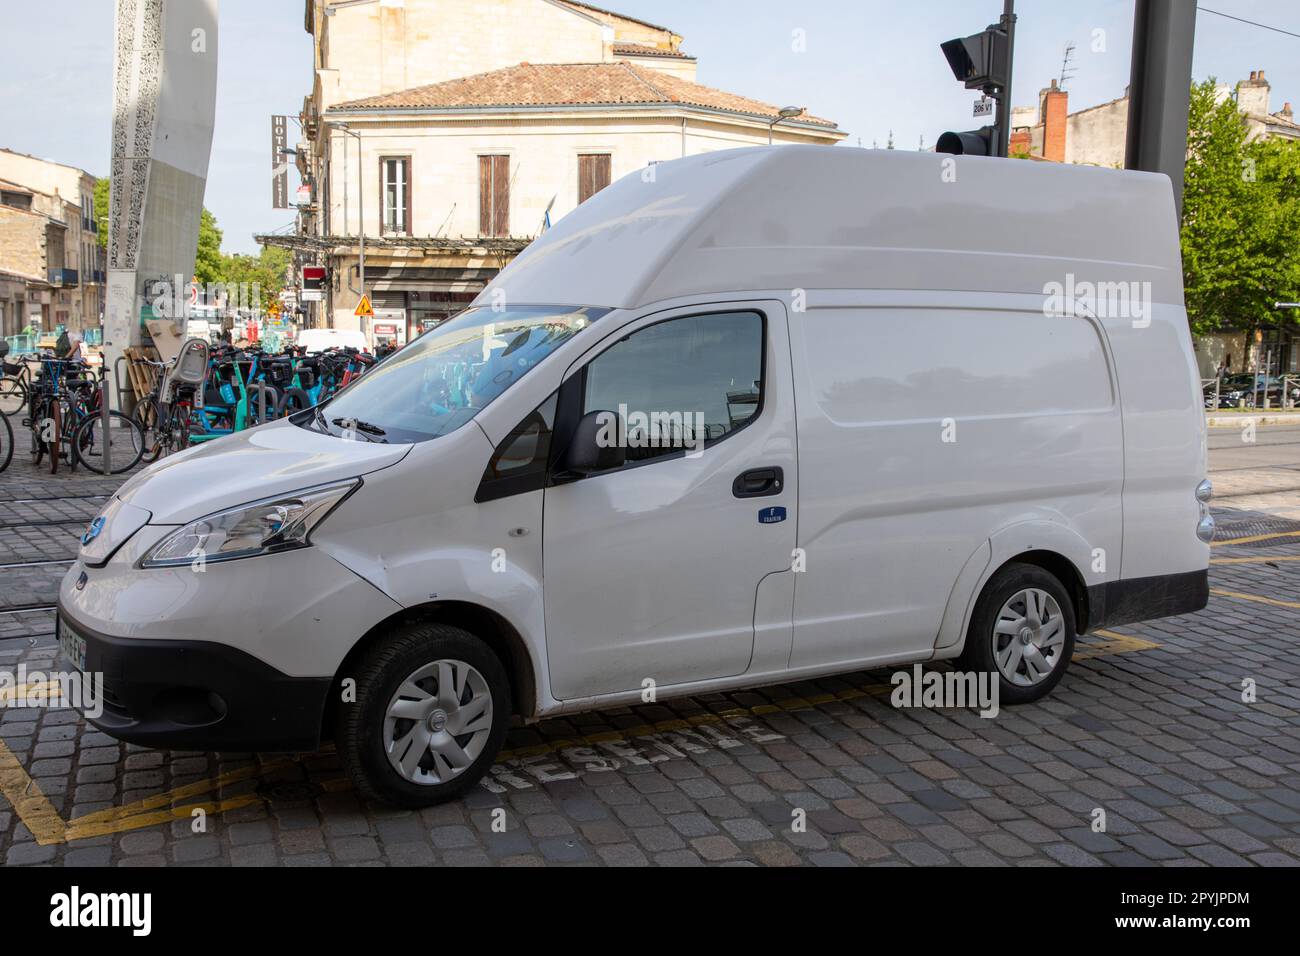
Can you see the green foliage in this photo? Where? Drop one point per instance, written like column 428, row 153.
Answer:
column 208, row 258
column 101, row 209
column 1241, row 214
column 268, row 270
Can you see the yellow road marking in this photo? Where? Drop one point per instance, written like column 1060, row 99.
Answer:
column 39, row 815
column 1115, row 643
column 49, row 690
column 1260, row 560
column 1237, row 595
column 31, row 805
column 1255, row 537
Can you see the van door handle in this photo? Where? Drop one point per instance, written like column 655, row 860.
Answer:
column 758, row 483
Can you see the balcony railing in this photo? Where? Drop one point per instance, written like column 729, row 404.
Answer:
column 62, row 278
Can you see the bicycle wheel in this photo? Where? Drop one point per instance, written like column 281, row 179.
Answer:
column 13, row 396
column 53, row 426
column 6, row 442
column 125, row 442
column 36, row 415
column 146, row 416
column 179, row 435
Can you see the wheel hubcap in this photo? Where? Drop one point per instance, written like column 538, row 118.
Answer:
column 438, row 722
column 1028, row 637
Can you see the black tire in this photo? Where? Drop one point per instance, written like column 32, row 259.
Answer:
column 981, row 639
column 293, row 400
column 146, row 416
column 6, row 442
column 360, row 725
column 13, row 396
column 126, row 436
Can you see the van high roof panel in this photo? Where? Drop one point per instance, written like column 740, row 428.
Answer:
column 816, row 217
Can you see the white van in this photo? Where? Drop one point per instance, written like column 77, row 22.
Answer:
column 318, row 340
column 752, row 417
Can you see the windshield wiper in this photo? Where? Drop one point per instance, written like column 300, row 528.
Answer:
column 356, row 424
column 319, row 418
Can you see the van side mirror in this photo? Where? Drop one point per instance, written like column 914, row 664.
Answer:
column 591, row 450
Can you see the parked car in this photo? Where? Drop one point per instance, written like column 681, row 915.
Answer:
column 1250, row 390
column 775, row 414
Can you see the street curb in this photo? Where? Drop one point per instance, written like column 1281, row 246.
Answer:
column 1264, row 418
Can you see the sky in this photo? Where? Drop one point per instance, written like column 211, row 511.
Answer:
column 873, row 66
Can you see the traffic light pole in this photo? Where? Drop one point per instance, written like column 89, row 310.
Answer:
column 1002, row 141
column 1160, row 89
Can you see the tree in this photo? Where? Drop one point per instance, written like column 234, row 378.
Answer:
column 207, row 258
column 268, row 271
column 1241, row 210
column 101, row 209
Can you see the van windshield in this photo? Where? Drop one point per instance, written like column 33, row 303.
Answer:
column 444, row 378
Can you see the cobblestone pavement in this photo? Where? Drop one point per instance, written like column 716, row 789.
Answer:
column 1148, row 727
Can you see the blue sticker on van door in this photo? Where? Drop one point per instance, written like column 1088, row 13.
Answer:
column 771, row 515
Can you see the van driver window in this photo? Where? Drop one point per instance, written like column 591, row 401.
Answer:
column 682, row 383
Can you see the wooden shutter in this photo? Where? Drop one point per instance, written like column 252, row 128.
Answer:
column 593, row 174
column 494, row 195
column 485, row 195
column 406, row 178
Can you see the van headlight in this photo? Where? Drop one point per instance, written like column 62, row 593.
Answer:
column 275, row 524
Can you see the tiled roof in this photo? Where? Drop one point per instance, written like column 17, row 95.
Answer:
column 604, row 14
column 644, row 49
column 570, row 84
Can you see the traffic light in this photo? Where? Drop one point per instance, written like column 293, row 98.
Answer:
column 975, row 142
column 979, row 61
column 983, row 62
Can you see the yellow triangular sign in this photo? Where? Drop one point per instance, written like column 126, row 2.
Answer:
column 363, row 307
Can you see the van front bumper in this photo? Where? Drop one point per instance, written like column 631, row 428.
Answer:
column 197, row 695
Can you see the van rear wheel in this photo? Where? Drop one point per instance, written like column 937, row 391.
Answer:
column 1022, row 631
column 431, row 712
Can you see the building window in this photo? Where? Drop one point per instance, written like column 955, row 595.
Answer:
column 593, row 174
column 494, row 196
column 396, row 179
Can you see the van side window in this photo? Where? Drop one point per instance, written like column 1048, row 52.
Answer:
column 519, row 462
column 681, row 383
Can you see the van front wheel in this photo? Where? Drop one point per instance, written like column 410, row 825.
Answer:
column 1022, row 631
column 432, row 709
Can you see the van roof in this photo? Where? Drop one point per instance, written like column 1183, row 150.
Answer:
column 818, row 217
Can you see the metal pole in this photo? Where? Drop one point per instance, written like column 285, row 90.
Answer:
column 105, row 419
column 1160, row 86
column 1003, row 123
column 361, row 206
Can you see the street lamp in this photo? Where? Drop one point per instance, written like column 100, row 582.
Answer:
column 785, row 113
column 361, row 193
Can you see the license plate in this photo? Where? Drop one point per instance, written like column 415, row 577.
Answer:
column 72, row 646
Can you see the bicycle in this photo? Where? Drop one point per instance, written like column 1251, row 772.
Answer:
column 67, row 421
column 15, row 383
column 166, row 414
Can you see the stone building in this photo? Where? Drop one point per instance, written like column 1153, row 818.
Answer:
column 464, row 127
column 49, row 239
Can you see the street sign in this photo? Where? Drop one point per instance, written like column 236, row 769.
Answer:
column 279, row 167
column 984, row 106
column 364, row 308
